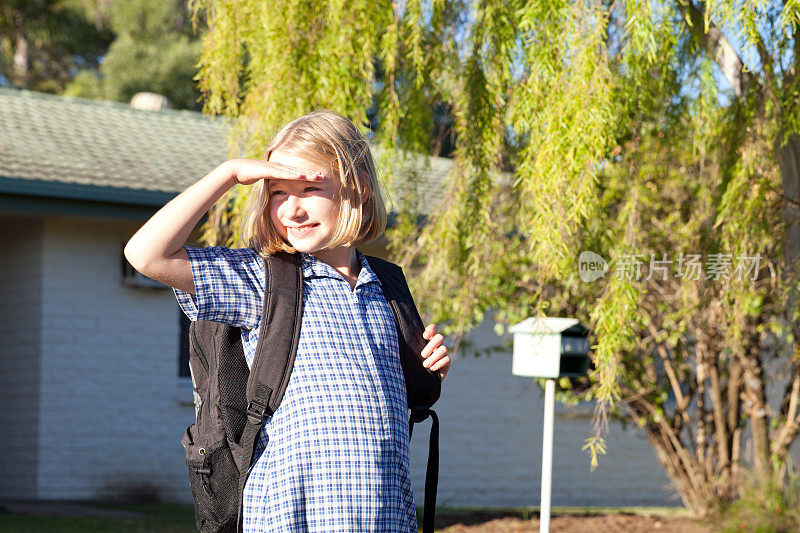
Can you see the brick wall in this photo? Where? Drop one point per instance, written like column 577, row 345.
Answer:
column 20, row 325
column 113, row 409
column 111, row 415
column 491, row 443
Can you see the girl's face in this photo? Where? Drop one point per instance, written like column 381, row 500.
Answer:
column 305, row 213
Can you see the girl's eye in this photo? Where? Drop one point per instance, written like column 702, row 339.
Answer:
column 306, row 189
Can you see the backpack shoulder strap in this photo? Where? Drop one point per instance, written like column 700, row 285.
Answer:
column 276, row 349
column 279, row 334
column 423, row 386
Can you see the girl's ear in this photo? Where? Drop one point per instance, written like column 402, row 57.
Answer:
column 366, row 190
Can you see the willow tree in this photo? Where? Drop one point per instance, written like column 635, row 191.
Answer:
column 662, row 136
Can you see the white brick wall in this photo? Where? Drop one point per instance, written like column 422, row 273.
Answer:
column 491, row 444
column 20, row 323
column 111, row 421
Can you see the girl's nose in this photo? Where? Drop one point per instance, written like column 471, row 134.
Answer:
column 293, row 207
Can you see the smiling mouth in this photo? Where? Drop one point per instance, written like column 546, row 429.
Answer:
column 302, row 229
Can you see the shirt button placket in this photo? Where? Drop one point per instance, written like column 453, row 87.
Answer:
column 361, row 321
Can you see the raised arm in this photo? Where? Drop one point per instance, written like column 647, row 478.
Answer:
column 156, row 249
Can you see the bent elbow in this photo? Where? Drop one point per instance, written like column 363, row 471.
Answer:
column 135, row 258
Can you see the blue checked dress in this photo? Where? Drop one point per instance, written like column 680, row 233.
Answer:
column 334, row 455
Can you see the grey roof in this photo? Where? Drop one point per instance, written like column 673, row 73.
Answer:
column 63, row 140
column 74, row 148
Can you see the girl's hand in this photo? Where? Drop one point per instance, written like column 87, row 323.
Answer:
column 435, row 353
column 248, row 171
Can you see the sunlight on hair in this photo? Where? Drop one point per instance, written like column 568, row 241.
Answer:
column 333, row 141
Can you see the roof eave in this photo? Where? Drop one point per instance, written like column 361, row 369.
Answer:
column 80, row 191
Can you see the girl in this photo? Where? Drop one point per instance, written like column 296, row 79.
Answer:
column 315, row 193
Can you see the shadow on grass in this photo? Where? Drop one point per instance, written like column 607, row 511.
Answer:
column 87, row 517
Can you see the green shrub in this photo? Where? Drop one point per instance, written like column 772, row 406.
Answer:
column 763, row 507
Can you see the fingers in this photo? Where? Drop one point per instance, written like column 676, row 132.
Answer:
column 434, row 343
column 285, row 172
column 435, row 352
column 437, row 359
column 429, row 332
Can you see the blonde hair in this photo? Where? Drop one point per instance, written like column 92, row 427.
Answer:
column 332, row 141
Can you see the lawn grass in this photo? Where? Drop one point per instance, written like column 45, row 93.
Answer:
column 161, row 518
column 172, row 518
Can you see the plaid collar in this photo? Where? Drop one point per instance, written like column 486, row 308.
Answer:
column 317, row 268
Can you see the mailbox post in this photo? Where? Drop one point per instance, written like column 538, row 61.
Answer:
column 549, row 348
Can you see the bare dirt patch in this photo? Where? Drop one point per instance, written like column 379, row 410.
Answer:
column 606, row 522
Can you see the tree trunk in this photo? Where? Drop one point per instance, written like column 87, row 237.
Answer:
column 788, row 155
column 789, row 163
column 757, row 409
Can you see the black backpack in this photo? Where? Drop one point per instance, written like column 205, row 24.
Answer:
column 231, row 400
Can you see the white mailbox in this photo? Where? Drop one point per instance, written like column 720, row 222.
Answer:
column 550, row 347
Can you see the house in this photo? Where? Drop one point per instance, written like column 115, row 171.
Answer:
column 93, row 375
